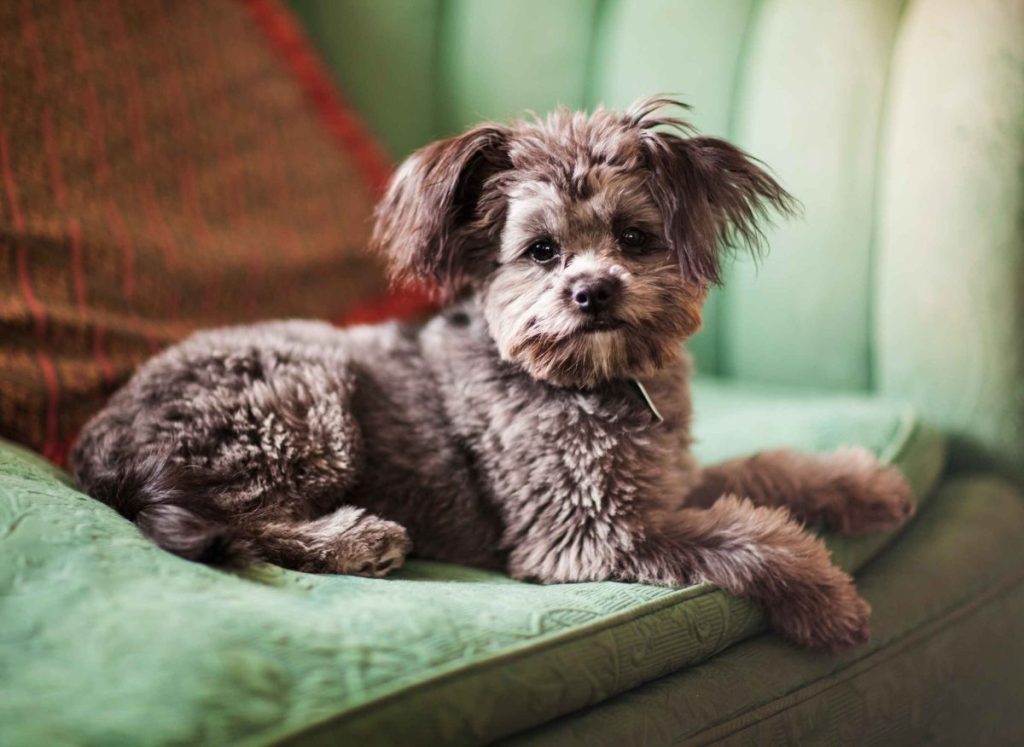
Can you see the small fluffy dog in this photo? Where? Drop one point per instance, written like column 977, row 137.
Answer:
column 540, row 424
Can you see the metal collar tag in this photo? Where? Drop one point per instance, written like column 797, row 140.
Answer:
column 642, row 392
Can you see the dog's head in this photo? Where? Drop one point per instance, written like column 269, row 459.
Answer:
column 591, row 241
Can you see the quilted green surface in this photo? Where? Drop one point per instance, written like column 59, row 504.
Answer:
column 105, row 639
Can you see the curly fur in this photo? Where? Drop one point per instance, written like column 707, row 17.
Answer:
column 506, row 432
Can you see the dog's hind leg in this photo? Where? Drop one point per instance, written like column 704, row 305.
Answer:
column 230, row 430
column 847, row 490
column 348, row 541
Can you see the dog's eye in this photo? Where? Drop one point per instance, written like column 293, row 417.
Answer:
column 633, row 238
column 542, row 252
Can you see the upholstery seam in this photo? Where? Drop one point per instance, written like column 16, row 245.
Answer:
column 444, row 122
column 724, row 365
column 598, row 25
column 878, row 167
column 906, row 432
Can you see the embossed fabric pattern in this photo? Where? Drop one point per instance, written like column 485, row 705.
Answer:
column 111, row 640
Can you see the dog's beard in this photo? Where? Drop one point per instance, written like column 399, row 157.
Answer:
column 587, row 359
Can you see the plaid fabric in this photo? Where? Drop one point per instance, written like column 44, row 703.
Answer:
column 165, row 166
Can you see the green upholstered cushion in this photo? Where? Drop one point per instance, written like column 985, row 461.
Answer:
column 106, row 639
column 942, row 666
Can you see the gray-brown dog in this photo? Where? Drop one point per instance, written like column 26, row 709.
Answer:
column 511, row 431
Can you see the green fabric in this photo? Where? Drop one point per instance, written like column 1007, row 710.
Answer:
column 809, row 107
column 942, row 666
column 109, row 640
column 950, row 270
column 502, row 57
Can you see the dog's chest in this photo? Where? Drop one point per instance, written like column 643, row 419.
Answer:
column 541, row 449
column 540, row 446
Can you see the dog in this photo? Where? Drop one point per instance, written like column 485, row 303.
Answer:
column 539, row 424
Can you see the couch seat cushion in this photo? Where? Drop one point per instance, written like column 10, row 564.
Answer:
column 107, row 639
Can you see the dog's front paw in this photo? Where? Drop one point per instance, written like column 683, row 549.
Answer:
column 830, row 616
column 867, row 495
column 374, row 548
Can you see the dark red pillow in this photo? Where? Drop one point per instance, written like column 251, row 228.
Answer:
column 165, row 166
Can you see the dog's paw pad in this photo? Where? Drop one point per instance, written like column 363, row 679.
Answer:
column 374, row 548
column 829, row 618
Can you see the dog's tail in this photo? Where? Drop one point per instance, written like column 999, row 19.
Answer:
column 173, row 506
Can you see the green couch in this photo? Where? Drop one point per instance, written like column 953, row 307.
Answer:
column 891, row 316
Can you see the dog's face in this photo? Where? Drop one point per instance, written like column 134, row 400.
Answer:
column 585, row 286
column 591, row 242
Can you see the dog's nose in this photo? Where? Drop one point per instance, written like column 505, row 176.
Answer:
column 594, row 295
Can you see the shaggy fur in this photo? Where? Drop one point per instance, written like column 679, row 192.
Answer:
column 507, row 432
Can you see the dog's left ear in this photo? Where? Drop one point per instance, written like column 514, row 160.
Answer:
column 713, row 197
column 431, row 223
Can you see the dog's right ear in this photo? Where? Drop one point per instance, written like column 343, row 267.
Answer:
column 431, row 224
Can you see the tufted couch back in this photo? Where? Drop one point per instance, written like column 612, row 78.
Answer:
column 899, row 125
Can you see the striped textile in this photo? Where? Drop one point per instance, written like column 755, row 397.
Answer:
column 165, row 166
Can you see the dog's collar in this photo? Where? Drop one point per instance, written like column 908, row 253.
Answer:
column 641, row 392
